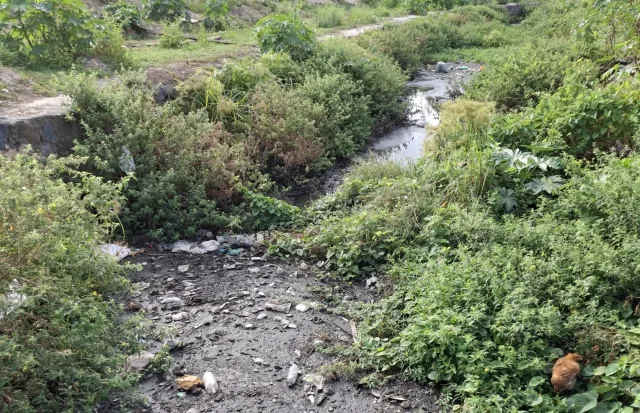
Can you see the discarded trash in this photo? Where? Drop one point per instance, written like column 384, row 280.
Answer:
column 441, row 67
column 188, row 383
column 463, row 68
column 292, row 377
column 371, row 281
column 11, row 300
column 315, row 380
column 119, row 252
column 194, row 247
column 282, row 308
column 210, row 383
column 127, row 164
column 248, row 240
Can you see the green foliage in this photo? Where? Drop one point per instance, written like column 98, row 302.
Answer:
column 159, row 10
column 520, row 77
column 362, row 15
column 184, row 166
column 216, row 12
column 109, row 45
column 62, row 345
column 172, row 36
column 127, row 15
column 50, row 33
column 345, row 123
column 380, row 78
column 283, row 33
column 267, row 213
column 288, row 71
column 330, row 16
column 578, row 120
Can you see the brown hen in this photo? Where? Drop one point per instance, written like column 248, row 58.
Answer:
column 565, row 372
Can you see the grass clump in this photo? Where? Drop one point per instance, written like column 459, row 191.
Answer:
column 330, row 16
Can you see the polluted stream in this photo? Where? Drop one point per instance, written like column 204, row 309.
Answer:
column 253, row 326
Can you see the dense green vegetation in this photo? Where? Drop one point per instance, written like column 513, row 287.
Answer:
column 514, row 240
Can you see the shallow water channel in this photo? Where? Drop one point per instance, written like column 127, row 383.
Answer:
column 405, row 143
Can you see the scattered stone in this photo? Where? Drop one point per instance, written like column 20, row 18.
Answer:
column 320, row 397
column 182, row 316
column 292, row 326
column 203, row 233
column 279, row 271
column 281, row 308
column 258, row 360
column 261, row 316
column 292, row 376
column 172, row 302
column 303, row 265
column 173, row 344
column 258, row 259
column 441, row 67
column 189, row 383
column 192, row 410
column 183, row 268
column 210, row 383
column 406, row 404
column 249, row 326
column 315, row 380
column 371, row 281
column 138, row 362
column 302, row 307
column 254, row 270
column 133, row 306
column 229, row 266
column 195, row 248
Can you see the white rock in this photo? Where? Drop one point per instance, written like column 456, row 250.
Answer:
column 172, row 302
column 258, row 360
column 279, row 271
column 210, row 383
column 210, row 246
column 261, row 316
column 180, row 316
column 292, row 377
column 183, row 268
column 117, row 251
column 138, row 362
column 302, row 307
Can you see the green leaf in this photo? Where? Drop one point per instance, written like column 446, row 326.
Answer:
column 607, row 407
column 599, row 371
column 583, row 402
column 536, row 381
column 612, row 369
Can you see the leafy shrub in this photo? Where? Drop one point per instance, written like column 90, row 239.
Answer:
column 159, row 10
column 284, row 138
column 266, row 213
column 380, row 78
column 244, row 75
column 185, row 167
column 109, row 45
column 288, row 71
column 62, row 345
column 345, row 123
column 127, row 15
column 520, row 77
column 172, row 36
column 216, row 12
column 50, row 33
column 282, row 33
column 330, row 16
column 480, row 14
column 577, row 119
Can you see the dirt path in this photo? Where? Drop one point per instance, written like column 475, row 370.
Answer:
column 356, row 31
column 228, row 330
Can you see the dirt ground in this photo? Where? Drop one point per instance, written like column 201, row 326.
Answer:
column 228, row 330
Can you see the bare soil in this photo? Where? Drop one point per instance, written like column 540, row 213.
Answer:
column 247, row 347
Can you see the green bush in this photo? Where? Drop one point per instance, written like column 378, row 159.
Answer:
column 109, row 45
column 330, row 16
column 172, row 36
column 62, row 342
column 288, row 71
column 380, row 78
column 519, row 76
column 216, row 12
column 160, row 10
column 52, row 33
column 184, row 166
column 127, row 15
column 578, row 120
column 283, row 33
column 345, row 123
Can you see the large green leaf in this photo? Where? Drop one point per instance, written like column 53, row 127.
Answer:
column 583, row 402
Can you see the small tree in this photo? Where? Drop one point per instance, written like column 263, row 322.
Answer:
column 283, row 33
